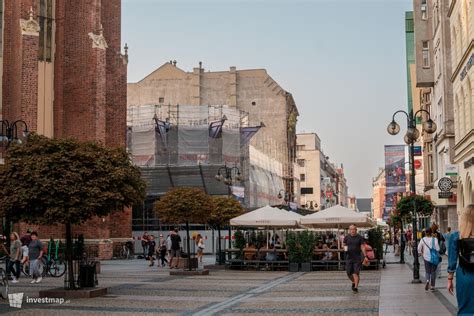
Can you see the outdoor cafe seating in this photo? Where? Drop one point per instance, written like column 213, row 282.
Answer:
column 271, row 259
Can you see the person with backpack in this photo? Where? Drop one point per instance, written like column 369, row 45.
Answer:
column 461, row 250
column 429, row 248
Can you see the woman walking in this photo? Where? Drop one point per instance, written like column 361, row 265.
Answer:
column 461, row 246
column 13, row 267
column 163, row 251
column 200, row 247
column 426, row 245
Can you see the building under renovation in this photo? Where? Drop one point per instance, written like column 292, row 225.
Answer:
column 184, row 128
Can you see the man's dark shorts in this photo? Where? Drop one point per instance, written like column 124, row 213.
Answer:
column 353, row 267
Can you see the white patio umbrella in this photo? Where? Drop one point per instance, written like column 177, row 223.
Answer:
column 267, row 216
column 336, row 217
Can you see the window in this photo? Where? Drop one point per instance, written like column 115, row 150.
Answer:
column 46, row 32
column 161, row 100
column 300, row 147
column 300, row 162
column 302, row 177
column 306, row 191
column 426, row 54
column 424, row 10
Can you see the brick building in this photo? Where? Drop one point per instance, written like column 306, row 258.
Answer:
column 63, row 73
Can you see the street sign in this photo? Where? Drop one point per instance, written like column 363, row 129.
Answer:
column 445, row 195
column 417, row 164
column 451, row 170
column 445, row 184
column 417, row 151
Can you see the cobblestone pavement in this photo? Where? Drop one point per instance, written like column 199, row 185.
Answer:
column 134, row 288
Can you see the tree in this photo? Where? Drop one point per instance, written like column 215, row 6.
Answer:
column 64, row 181
column 184, row 205
column 422, row 205
column 225, row 208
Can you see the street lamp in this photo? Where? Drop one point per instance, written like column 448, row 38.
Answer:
column 9, row 132
column 8, row 135
column 411, row 136
column 227, row 175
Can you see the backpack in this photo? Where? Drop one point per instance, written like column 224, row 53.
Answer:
column 466, row 253
column 435, row 258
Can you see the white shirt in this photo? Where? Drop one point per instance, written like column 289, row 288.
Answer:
column 425, row 245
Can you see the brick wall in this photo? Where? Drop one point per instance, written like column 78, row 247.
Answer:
column 89, row 89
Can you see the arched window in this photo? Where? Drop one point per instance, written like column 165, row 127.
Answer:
column 465, row 21
column 462, row 101
column 456, row 117
column 454, row 52
column 468, row 105
column 470, row 196
column 461, row 195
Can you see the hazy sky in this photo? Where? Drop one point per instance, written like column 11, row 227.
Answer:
column 343, row 61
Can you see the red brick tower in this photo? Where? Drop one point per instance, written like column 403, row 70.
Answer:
column 64, row 74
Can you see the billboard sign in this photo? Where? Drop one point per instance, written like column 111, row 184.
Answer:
column 395, row 176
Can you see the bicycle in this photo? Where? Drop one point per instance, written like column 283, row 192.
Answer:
column 3, row 280
column 125, row 251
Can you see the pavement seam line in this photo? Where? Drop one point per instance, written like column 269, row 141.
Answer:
column 215, row 308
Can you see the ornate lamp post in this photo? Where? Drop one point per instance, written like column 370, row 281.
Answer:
column 228, row 175
column 411, row 136
column 8, row 135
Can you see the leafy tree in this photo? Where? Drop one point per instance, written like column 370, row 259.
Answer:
column 422, row 205
column 185, row 205
column 64, row 181
column 225, row 208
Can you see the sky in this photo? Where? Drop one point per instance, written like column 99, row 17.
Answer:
column 342, row 60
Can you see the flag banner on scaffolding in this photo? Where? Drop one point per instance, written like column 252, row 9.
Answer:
column 238, row 193
column 395, row 176
column 162, row 129
column 215, row 129
column 246, row 134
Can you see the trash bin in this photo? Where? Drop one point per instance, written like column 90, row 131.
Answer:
column 87, row 275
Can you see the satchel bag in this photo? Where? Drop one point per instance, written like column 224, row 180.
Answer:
column 435, row 258
column 466, row 254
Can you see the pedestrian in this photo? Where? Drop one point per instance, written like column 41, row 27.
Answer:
column 168, row 244
column 151, row 250
column 441, row 242
column 410, row 241
column 163, row 250
column 14, row 257
column 175, row 248
column 447, row 236
column 425, row 247
column 145, row 237
column 26, row 238
column 200, row 247
column 35, row 254
column 353, row 246
column 461, row 246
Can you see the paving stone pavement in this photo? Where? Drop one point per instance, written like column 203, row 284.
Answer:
column 135, row 289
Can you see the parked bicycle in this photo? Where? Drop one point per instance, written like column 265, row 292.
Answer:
column 52, row 264
column 126, row 250
column 3, row 279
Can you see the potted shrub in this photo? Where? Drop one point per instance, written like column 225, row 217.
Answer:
column 239, row 243
column 294, row 252
column 307, row 241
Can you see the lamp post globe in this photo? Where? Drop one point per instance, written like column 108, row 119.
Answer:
column 393, row 128
column 429, row 126
column 413, row 133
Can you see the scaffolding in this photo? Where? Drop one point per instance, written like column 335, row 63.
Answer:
column 186, row 144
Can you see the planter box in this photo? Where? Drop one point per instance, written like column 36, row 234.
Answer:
column 294, row 267
column 306, row 267
column 183, row 263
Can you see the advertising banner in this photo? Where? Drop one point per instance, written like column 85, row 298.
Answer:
column 395, row 176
